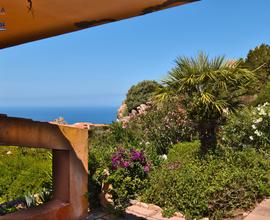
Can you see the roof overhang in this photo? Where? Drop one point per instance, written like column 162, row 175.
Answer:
column 23, row 21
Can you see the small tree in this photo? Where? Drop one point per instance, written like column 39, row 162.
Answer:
column 259, row 58
column 207, row 88
column 140, row 93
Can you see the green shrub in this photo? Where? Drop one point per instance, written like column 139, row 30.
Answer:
column 127, row 175
column 213, row 186
column 259, row 59
column 248, row 128
column 264, row 95
column 114, row 135
column 140, row 93
column 23, row 172
column 103, row 143
column 42, row 197
column 163, row 126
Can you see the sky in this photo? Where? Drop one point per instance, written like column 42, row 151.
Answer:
column 97, row 66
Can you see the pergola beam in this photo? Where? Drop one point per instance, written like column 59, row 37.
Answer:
column 23, row 21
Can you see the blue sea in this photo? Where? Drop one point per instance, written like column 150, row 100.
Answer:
column 97, row 115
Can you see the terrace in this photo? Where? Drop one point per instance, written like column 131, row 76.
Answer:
column 30, row 20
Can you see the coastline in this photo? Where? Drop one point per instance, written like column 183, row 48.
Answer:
column 72, row 115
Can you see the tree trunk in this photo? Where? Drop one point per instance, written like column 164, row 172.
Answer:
column 207, row 135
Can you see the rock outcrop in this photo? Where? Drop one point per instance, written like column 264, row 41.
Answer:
column 124, row 116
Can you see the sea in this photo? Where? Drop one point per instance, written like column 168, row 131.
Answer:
column 97, row 115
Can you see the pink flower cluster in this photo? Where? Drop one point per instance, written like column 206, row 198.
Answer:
column 123, row 158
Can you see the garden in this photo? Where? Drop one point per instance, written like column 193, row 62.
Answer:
column 198, row 142
column 26, row 178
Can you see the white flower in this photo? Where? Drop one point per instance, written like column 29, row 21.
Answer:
column 254, row 127
column 258, row 120
column 106, row 172
column 164, row 157
column 226, row 111
column 258, row 133
column 259, row 108
column 262, row 112
column 251, row 138
column 9, row 152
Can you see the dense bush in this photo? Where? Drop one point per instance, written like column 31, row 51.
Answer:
column 259, row 59
column 113, row 135
column 248, row 128
column 140, row 93
column 154, row 133
column 127, row 175
column 264, row 95
column 23, row 172
column 103, row 143
column 163, row 126
column 212, row 187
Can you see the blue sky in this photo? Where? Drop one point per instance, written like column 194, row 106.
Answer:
column 96, row 67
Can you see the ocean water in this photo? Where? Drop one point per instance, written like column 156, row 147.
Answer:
column 98, row 115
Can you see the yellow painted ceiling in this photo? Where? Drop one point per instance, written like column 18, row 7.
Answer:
column 23, row 21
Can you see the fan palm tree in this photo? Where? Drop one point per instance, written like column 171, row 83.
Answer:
column 207, row 88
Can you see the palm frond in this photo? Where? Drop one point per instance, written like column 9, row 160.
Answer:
column 208, row 85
